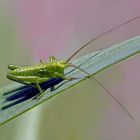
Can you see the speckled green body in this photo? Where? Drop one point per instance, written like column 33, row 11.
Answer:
column 42, row 70
column 39, row 73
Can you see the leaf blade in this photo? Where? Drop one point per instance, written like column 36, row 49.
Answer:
column 93, row 63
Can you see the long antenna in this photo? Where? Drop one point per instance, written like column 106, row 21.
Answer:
column 77, row 67
column 102, row 34
column 115, row 99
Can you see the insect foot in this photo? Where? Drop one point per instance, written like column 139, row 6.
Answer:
column 38, row 97
column 72, row 78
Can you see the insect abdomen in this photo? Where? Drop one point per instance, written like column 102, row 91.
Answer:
column 28, row 70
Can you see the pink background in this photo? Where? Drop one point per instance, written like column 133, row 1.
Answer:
column 60, row 27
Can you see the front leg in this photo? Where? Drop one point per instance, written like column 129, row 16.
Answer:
column 58, row 75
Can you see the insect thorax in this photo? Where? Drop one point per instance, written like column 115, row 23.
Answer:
column 58, row 66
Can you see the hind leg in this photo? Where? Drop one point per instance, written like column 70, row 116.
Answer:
column 40, row 80
column 30, row 80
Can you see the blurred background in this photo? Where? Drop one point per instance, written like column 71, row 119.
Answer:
column 31, row 30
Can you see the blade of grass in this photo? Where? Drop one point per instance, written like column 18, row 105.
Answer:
column 93, row 63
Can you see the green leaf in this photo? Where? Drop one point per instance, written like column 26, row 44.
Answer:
column 92, row 63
